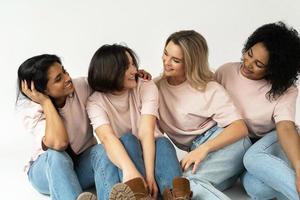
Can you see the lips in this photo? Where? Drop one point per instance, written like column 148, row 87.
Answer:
column 246, row 70
column 69, row 84
column 168, row 69
column 131, row 78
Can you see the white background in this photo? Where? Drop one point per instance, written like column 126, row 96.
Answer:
column 75, row 29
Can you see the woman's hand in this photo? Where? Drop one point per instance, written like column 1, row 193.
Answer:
column 153, row 189
column 143, row 74
column 194, row 158
column 32, row 93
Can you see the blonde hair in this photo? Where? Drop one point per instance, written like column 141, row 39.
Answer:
column 195, row 53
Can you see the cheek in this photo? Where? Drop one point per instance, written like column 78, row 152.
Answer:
column 260, row 74
column 180, row 68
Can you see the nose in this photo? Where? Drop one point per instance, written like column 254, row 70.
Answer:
column 132, row 69
column 67, row 77
column 166, row 60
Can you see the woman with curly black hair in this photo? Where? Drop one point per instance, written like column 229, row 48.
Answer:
column 263, row 87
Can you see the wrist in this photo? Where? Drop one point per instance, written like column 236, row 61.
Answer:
column 46, row 102
column 205, row 147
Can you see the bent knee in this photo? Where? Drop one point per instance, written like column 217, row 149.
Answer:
column 250, row 159
column 127, row 137
column 58, row 157
column 165, row 142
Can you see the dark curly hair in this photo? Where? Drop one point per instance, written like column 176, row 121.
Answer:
column 283, row 45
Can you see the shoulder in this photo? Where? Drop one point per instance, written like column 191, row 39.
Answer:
column 146, row 84
column 82, row 87
column 290, row 93
column 214, row 89
column 213, row 86
column 96, row 96
column 81, row 83
column 228, row 67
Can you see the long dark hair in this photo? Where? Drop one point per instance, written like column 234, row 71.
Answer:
column 36, row 69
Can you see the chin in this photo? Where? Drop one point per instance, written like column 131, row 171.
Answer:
column 70, row 91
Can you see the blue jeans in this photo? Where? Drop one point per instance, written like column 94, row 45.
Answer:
column 167, row 166
column 269, row 173
column 219, row 170
column 54, row 173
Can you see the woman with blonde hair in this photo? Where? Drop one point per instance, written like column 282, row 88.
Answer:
column 199, row 117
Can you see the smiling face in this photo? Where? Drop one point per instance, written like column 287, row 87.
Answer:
column 59, row 84
column 130, row 74
column 255, row 61
column 173, row 62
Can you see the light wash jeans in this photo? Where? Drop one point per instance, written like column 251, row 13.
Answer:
column 54, row 173
column 167, row 166
column 219, row 170
column 269, row 173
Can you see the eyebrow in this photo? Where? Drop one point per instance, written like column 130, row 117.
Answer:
column 173, row 56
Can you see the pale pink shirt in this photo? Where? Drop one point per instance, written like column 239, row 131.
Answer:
column 260, row 114
column 73, row 114
column 186, row 112
column 123, row 112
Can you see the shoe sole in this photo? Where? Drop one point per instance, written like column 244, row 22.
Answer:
column 87, row 197
column 121, row 191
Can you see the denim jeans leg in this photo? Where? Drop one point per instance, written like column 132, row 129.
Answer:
column 94, row 167
column 53, row 173
column 167, row 166
column 220, row 169
column 266, row 161
column 259, row 190
column 133, row 147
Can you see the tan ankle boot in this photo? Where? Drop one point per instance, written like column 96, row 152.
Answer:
column 133, row 189
column 181, row 190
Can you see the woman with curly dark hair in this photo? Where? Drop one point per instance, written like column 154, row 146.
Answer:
column 263, row 87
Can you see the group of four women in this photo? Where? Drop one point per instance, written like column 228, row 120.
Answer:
column 108, row 130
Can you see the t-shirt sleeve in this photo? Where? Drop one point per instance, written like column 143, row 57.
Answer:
column 223, row 110
column 149, row 98
column 285, row 109
column 96, row 111
column 34, row 121
column 82, row 88
column 217, row 75
column 222, row 72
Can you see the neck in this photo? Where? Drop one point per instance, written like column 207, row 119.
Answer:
column 175, row 80
column 119, row 92
column 60, row 102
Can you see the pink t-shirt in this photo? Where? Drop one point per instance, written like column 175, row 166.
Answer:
column 74, row 116
column 259, row 113
column 186, row 112
column 124, row 111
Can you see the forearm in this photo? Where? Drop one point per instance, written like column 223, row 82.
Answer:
column 116, row 152
column 290, row 141
column 56, row 136
column 148, row 145
column 232, row 133
column 146, row 136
